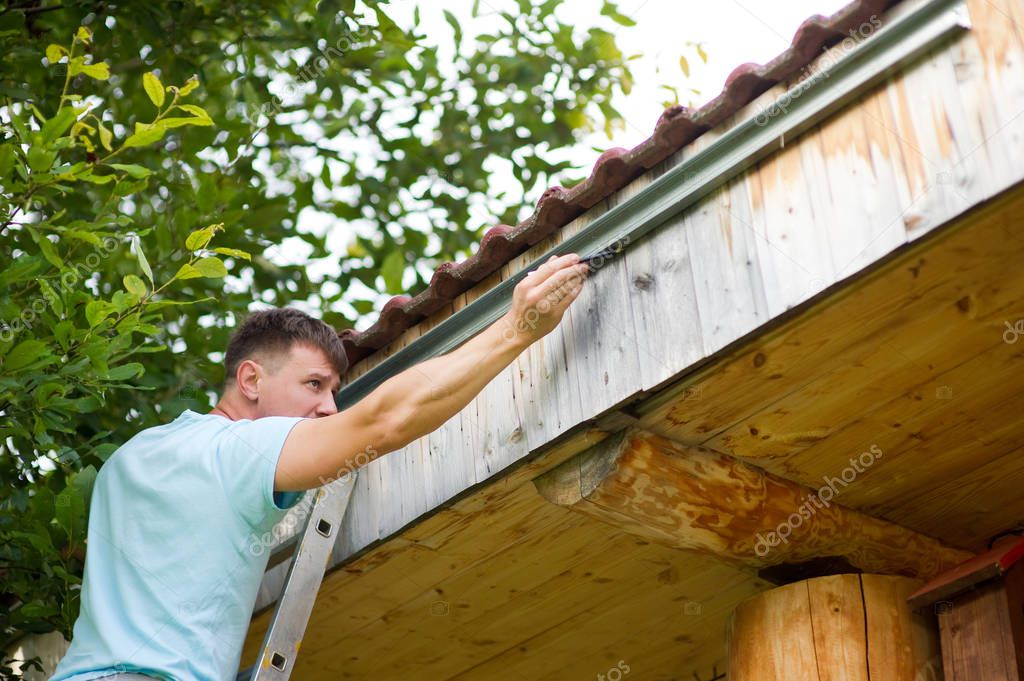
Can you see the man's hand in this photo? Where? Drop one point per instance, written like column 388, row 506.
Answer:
column 542, row 297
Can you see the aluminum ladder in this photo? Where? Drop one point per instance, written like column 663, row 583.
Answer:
column 310, row 550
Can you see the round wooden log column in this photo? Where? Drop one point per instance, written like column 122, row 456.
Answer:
column 840, row 627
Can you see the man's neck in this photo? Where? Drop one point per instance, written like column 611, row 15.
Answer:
column 221, row 411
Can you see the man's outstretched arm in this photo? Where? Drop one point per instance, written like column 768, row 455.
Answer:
column 419, row 400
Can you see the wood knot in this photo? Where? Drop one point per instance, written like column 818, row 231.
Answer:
column 966, row 305
column 759, row 360
column 643, row 281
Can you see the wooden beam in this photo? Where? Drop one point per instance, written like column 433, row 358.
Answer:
column 697, row 499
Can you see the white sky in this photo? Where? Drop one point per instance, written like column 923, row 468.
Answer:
column 731, row 32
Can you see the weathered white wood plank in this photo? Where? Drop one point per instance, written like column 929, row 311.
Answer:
column 601, row 328
column 495, row 426
column 792, row 248
column 664, row 303
column 866, row 196
column 726, row 270
column 546, row 379
column 447, row 462
column 987, row 97
column 928, row 150
column 362, row 524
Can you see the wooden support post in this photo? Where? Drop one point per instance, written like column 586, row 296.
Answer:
column 850, row 627
column 980, row 606
column 705, row 501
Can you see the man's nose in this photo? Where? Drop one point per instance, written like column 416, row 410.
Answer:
column 327, row 406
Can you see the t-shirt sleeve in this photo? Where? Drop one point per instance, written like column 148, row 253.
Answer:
column 246, row 462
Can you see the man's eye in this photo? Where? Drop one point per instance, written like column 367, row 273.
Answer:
column 316, row 383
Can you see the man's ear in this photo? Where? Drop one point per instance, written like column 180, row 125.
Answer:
column 247, row 379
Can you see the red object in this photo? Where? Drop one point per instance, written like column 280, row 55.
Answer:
column 970, row 573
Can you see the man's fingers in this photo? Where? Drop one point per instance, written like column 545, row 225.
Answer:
column 554, row 264
column 565, row 283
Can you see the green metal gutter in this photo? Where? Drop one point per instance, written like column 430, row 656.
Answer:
column 892, row 47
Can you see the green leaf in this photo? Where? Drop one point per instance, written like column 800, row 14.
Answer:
column 199, row 238
column 233, row 252
column 70, row 511
column 21, row 269
column 45, row 393
column 211, row 267
column 62, row 332
column 104, row 450
column 37, row 610
column 40, row 159
column 186, row 271
column 610, row 10
column 141, row 257
column 96, row 179
column 191, row 84
column 106, row 137
column 392, row 270
column 54, row 53
column 684, row 65
column 198, row 112
column 125, row 372
column 135, row 286
column 52, row 296
column 179, row 121
column 100, row 71
column 7, row 157
column 46, row 247
column 145, row 134
column 154, row 88
column 82, row 235
column 96, row 311
column 454, row 23
column 132, row 169
column 363, row 306
column 23, row 354
column 58, row 125
column 83, row 34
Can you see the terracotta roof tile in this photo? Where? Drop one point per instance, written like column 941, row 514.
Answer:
column 615, row 168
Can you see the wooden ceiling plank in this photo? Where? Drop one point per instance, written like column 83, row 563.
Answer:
column 461, row 602
column 562, row 646
column 554, row 596
column 936, row 432
column 978, row 504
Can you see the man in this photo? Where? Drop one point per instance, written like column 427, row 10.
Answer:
column 170, row 578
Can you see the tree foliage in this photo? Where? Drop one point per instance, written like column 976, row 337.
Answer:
column 155, row 156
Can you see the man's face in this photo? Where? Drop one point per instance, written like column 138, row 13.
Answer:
column 299, row 383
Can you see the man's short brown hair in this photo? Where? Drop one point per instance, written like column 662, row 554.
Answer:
column 275, row 331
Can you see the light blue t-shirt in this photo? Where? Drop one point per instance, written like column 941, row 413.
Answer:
column 179, row 533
